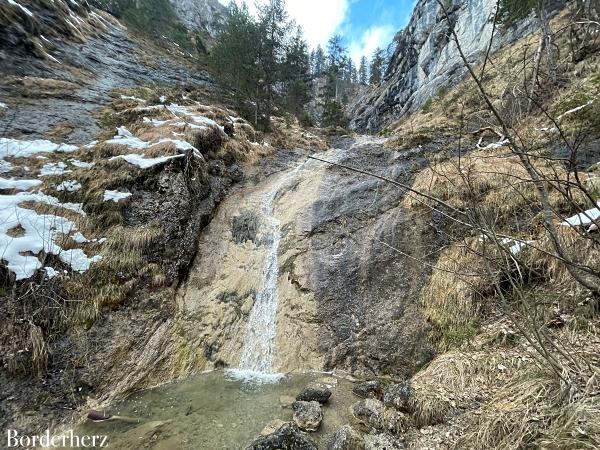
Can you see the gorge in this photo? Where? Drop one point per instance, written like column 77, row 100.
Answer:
column 178, row 275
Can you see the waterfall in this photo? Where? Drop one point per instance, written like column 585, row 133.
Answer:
column 258, row 354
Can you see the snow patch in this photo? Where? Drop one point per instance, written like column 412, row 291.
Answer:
column 23, row 149
column 52, row 169
column 81, row 164
column 19, row 185
column 115, row 196
column 38, row 232
column 584, row 218
column 145, row 163
column 69, row 186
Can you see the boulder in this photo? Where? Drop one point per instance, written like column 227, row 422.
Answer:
column 286, row 437
column 369, row 389
column 371, row 414
column 307, row 415
column 346, row 438
column 368, row 414
column 398, row 396
column 314, row 392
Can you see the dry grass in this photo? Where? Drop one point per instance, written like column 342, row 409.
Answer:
column 457, row 380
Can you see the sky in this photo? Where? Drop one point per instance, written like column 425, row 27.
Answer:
column 364, row 24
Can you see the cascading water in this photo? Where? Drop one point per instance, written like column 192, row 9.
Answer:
column 258, row 354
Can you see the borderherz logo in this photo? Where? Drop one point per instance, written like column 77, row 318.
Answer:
column 65, row 440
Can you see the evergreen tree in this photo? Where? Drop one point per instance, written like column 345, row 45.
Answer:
column 511, row 11
column 377, row 67
column 363, row 71
column 296, row 74
column 319, row 63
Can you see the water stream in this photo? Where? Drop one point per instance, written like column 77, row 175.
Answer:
column 258, row 353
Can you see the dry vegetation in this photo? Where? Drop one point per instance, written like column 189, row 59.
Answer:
column 511, row 299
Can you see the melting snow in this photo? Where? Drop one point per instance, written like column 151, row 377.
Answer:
column 585, row 218
column 3, row 106
column 129, row 97
column 50, row 272
column 69, row 186
column 81, row 164
column 19, row 185
column 156, row 122
column 574, row 110
column 5, row 166
column 17, row 148
column 39, row 233
column 115, row 196
column 51, row 169
column 145, row 163
column 124, row 137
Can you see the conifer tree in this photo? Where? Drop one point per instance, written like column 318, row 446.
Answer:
column 377, row 67
column 363, row 71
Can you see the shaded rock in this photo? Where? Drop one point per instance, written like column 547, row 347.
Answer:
column 382, row 441
column 287, row 437
column 369, row 389
column 346, row 438
column 307, row 415
column 316, row 392
column 245, row 227
column 398, row 395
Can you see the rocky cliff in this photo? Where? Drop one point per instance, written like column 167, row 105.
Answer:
column 200, row 15
column 426, row 58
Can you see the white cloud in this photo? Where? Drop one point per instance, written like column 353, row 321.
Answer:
column 318, row 18
column 374, row 37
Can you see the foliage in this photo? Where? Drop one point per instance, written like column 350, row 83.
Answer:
column 511, row 11
column 377, row 67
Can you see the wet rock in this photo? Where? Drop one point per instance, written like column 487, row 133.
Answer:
column 286, row 437
column 369, row 389
column 398, row 395
column 382, row 441
column 245, row 227
column 346, row 438
column 317, row 392
column 307, row 415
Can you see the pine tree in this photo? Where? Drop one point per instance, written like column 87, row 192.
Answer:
column 363, row 71
column 319, row 62
column 377, row 67
column 296, row 75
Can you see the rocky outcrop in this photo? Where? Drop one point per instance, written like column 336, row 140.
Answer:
column 346, row 438
column 369, row 389
column 200, row 15
column 426, row 58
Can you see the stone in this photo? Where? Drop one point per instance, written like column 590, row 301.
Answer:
column 368, row 414
column 317, row 392
column 369, row 389
column 272, row 427
column 398, row 396
column 382, row 441
column 371, row 414
column 346, row 438
column 286, row 437
column 307, row 415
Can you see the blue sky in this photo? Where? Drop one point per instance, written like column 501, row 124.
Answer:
column 365, row 24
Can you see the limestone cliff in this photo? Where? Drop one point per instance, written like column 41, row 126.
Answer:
column 426, row 58
column 200, row 15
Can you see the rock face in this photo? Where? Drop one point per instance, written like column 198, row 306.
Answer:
column 307, row 415
column 426, row 59
column 205, row 15
column 347, row 299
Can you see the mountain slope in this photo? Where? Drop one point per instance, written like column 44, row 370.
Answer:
column 426, row 60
